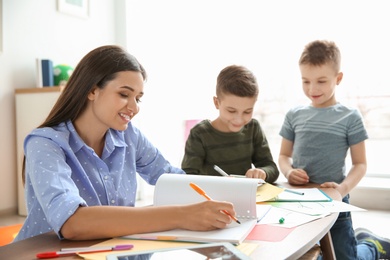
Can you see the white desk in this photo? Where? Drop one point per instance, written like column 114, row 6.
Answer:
column 297, row 243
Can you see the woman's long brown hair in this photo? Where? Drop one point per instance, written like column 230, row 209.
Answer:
column 94, row 70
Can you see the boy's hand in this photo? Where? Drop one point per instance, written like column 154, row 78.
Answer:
column 256, row 173
column 333, row 185
column 297, row 177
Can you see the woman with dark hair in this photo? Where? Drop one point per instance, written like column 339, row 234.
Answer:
column 81, row 162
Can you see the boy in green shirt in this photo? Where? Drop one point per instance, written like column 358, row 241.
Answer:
column 234, row 141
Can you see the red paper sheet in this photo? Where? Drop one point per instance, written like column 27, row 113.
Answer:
column 269, row 233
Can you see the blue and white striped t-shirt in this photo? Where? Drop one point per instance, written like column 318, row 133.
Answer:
column 322, row 137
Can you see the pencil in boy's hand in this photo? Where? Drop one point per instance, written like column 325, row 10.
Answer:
column 203, row 193
column 220, row 171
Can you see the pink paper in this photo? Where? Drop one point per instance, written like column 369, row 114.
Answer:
column 188, row 125
column 269, row 233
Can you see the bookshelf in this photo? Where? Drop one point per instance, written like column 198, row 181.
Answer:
column 32, row 105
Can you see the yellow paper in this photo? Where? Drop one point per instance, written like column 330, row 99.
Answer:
column 266, row 192
column 138, row 246
column 247, row 248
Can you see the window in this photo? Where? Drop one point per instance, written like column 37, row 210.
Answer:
column 184, row 44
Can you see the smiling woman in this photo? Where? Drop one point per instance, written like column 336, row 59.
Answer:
column 82, row 162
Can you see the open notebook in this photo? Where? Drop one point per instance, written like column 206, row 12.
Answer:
column 174, row 189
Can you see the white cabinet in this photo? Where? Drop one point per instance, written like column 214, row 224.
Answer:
column 32, row 107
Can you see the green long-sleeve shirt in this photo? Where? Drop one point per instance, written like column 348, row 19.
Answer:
column 235, row 153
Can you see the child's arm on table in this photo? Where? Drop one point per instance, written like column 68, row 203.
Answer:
column 356, row 173
column 294, row 176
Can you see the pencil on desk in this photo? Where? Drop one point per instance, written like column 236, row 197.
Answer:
column 223, row 173
column 291, row 191
column 295, row 192
column 82, row 250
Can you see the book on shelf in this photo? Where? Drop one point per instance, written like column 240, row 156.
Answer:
column 175, row 189
column 45, row 73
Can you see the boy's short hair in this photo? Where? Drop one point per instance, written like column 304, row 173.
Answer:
column 238, row 81
column 320, row 52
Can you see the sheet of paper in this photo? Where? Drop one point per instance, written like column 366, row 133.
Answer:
column 315, row 208
column 290, row 218
column 247, row 248
column 138, row 246
column 269, row 233
column 262, row 210
column 266, row 192
column 142, row 245
column 175, row 189
column 234, row 233
column 308, row 194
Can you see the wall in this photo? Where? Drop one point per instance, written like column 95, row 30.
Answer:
column 185, row 50
column 29, row 34
column 33, row 29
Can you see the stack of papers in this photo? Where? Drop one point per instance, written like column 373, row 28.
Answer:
column 290, row 218
column 295, row 206
column 316, row 208
column 268, row 192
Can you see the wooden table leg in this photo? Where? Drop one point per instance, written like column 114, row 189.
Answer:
column 327, row 247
